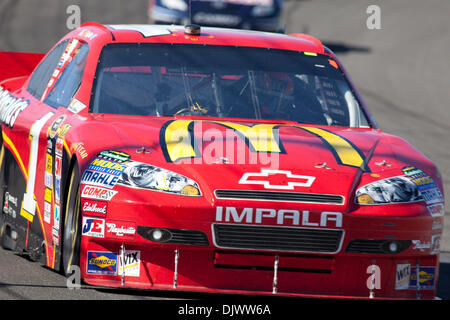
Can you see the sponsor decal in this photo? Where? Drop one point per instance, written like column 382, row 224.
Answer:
column 104, row 263
column 55, row 236
column 106, row 166
column 93, row 227
column 435, row 244
column 57, row 190
column 436, row 210
column 48, row 180
column 113, row 155
column 76, row 106
column 9, row 202
column 437, row 224
column 49, row 163
column 98, row 193
column 129, row 263
column 80, row 149
column 402, row 276
column 103, row 172
column 11, row 199
column 279, row 216
column 421, row 245
column 48, row 195
column 94, row 207
column 89, row 35
column 62, row 131
column 47, row 211
column 49, row 146
column 53, row 129
column 56, row 216
column 277, row 179
column 425, row 183
column 99, row 179
column 426, row 275
column 120, row 230
column 58, row 166
column 10, row 107
column 57, row 129
column 59, row 147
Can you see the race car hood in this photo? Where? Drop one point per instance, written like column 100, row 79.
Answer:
column 266, row 156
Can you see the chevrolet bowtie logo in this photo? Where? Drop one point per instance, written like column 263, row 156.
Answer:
column 277, row 179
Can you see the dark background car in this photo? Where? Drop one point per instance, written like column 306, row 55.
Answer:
column 263, row 15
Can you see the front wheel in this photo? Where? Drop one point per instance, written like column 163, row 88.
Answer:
column 72, row 225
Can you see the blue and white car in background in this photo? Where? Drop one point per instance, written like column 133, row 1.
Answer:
column 263, row 15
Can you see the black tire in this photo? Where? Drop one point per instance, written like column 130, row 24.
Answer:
column 70, row 254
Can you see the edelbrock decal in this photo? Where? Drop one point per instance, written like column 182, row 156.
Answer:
column 94, row 207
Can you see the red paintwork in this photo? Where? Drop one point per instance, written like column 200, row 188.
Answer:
column 304, row 151
column 17, row 64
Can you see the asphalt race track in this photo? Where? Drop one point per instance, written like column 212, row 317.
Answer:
column 402, row 70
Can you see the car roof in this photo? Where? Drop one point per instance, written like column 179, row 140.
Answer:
column 140, row 33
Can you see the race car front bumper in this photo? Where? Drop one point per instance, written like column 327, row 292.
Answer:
column 370, row 257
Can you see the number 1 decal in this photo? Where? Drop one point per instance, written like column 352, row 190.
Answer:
column 28, row 209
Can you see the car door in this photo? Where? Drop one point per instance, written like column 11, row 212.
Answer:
column 34, row 149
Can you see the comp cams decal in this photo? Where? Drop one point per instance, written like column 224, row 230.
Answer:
column 177, row 141
column 97, row 193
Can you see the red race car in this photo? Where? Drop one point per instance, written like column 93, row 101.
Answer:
column 211, row 160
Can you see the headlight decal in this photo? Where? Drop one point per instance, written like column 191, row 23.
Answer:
column 111, row 168
column 391, row 190
column 145, row 176
column 415, row 185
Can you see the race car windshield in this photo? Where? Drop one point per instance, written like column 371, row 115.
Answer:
column 224, row 81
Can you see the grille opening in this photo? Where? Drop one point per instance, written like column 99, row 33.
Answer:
column 377, row 246
column 277, row 238
column 264, row 261
column 175, row 236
